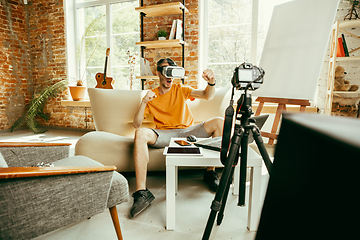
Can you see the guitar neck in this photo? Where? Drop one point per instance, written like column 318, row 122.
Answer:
column 105, row 67
column 106, row 59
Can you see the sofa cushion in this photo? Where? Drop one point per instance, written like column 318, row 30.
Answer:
column 112, row 149
column 204, row 110
column 79, row 161
column 119, row 189
column 114, row 109
column 31, row 156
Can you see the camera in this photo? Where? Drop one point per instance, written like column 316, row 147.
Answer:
column 247, row 75
column 173, row 72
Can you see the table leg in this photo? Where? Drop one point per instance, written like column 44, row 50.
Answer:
column 170, row 197
column 236, row 180
column 176, row 179
column 254, row 199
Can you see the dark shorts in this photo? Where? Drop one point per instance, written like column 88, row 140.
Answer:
column 164, row 136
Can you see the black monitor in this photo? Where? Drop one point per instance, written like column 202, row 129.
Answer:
column 314, row 186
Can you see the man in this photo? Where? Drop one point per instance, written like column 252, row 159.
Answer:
column 173, row 118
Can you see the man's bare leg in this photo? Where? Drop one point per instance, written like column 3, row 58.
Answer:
column 213, row 127
column 143, row 137
column 142, row 196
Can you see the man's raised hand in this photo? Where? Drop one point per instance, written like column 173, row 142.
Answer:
column 150, row 95
column 209, row 76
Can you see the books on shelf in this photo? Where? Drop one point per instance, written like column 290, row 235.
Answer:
column 345, row 45
column 342, row 50
column 145, row 69
column 179, row 29
column 172, row 31
column 176, row 30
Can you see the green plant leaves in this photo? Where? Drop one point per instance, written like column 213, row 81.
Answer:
column 47, row 90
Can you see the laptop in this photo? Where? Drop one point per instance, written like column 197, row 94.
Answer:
column 215, row 143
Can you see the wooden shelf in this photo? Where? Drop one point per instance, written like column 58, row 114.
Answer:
column 347, row 94
column 147, row 77
column 71, row 103
column 162, row 9
column 335, row 32
column 151, row 77
column 162, row 44
column 349, row 24
column 341, row 59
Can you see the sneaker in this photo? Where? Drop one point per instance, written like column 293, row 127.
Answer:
column 212, row 180
column 142, row 200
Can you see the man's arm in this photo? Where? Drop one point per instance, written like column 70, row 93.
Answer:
column 139, row 115
column 209, row 92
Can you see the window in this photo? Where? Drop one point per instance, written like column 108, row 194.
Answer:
column 227, row 37
column 234, row 31
column 106, row 24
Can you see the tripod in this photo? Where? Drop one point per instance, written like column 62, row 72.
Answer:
column 239, row 139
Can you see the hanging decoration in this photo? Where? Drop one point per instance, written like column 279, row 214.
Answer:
column 131, row 62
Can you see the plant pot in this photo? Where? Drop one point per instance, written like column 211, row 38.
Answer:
column 162, row 38
column 77, row 92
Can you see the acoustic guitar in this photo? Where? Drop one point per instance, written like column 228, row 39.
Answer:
column 102, row 80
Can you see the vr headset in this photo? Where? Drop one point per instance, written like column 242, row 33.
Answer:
column 172, row 71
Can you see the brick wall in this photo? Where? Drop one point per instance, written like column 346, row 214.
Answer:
column 48, row 48
column 32, row 52
column 153, row 24
column 15, row 75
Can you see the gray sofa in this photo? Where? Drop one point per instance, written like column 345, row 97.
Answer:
column 37, row 200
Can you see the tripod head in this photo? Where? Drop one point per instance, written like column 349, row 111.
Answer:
column 243, row 107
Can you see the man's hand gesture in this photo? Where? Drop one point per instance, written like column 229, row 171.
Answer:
column 150, row 95
column 209, row 76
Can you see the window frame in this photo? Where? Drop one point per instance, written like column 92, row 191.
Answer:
column 203, row 36
column 71, row 28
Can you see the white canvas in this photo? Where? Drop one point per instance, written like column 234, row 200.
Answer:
column 295, row 48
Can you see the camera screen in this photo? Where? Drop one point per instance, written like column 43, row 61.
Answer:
column 245, row 75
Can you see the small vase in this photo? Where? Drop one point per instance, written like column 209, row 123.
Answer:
column 77, row 92
column 162, row 38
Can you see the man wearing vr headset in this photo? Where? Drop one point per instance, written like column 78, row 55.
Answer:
column 173, row 118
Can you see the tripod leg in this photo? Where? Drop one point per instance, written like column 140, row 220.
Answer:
column 261, row 146
column 243, row 167
column 225, row 177
column 226, row 194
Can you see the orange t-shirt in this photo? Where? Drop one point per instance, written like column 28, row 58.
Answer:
column 170, row 110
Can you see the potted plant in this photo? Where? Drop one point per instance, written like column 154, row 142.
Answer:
column 162, row 34
column 354, row 5
column 77, row 92
column 35, row 108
